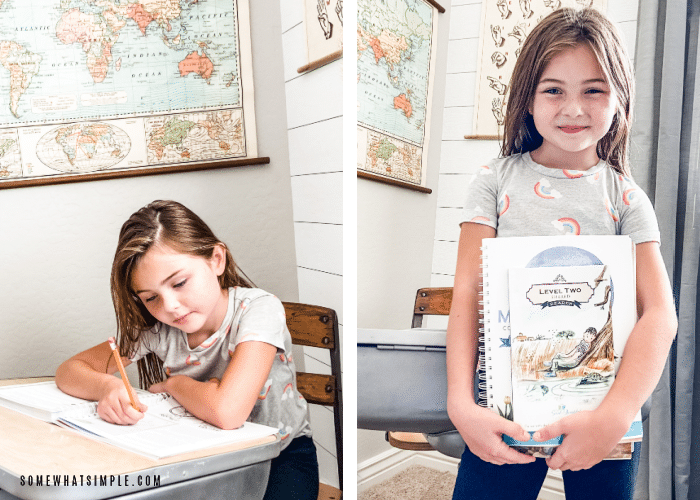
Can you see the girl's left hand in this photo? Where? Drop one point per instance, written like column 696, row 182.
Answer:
column 159, row 387
column 588, row 438
column 162, row 386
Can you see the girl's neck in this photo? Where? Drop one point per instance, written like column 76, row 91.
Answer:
column 582, row 160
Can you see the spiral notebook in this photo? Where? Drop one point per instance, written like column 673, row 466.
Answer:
column 500, row 256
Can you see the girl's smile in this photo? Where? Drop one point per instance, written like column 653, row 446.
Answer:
column 573, row 108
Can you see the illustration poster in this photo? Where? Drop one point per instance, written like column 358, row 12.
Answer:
column 561, row 341
column 115, row 85
column 323, row 20
column 395, row 66
column 504, row 27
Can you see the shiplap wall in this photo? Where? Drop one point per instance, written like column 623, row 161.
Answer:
column 314, row 128
column 460, row 158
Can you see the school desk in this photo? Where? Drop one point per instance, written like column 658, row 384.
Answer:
column 37, row 451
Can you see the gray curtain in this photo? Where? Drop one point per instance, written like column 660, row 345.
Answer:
column 665, row 163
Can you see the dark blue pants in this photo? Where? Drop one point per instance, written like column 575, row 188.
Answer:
column 608, row 480
column 294, row 473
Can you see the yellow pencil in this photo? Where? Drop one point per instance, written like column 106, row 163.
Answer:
column 120, row 365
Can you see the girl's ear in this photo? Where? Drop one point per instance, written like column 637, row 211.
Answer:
column 218, row 260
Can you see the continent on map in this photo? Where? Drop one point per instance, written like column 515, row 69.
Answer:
column 148, row 11
column 388, row 46
column 194, row 63
column 96, row 34
column 22, row 65
column 402, row 102
column 171, row 134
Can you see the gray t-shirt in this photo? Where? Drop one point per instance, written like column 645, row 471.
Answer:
column 252, row 315
column 519, row 197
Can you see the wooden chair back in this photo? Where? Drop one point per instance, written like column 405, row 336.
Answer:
column 431, row 301
column 316, row 326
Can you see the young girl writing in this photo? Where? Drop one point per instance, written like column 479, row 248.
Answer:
column 564, row 156
column 201, row 332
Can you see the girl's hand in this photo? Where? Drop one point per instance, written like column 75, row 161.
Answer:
column 163, row 386
column 588, row 438
column 159, row 387
column 482, row 430
column 115, row 406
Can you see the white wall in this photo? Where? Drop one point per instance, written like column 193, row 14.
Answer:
column 314, row 128
column 395, row 229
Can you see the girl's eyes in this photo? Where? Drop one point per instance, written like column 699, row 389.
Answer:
column 556, row 91
column 154, row 297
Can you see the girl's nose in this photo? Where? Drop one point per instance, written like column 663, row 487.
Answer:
column 170, row 302
column 572, row 106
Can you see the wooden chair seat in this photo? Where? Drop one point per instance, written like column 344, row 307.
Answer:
column 326, row 492
column 414, row 441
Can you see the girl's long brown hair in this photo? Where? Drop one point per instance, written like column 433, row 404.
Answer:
column 564, row 29
column 172, row 224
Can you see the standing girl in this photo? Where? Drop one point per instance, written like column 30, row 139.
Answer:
column 564, row 157
column 199, row 331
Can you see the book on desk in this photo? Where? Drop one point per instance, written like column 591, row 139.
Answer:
column 167, row 429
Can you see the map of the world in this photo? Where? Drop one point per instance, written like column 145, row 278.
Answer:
column 394, row 57
column 64, row 63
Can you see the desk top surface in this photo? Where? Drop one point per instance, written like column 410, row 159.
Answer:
column 32, row 446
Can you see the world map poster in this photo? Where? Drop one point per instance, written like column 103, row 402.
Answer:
column 94, row 85
column 395, row 66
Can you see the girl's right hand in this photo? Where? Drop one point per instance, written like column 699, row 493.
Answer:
column 115, row 406
column 482, row 431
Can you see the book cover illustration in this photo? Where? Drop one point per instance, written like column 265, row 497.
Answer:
column 562, row 353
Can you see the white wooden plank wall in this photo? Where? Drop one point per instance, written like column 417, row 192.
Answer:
column 460, row 158
column 314, row 124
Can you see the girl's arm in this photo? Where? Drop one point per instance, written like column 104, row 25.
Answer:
column 90, row 375
column 643, row 362
column 480, row 427
column 228, row 403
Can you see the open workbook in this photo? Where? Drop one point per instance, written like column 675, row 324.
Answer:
column 167, row 428
column 557, row 312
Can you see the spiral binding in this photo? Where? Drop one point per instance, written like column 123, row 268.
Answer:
column 485, row 395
